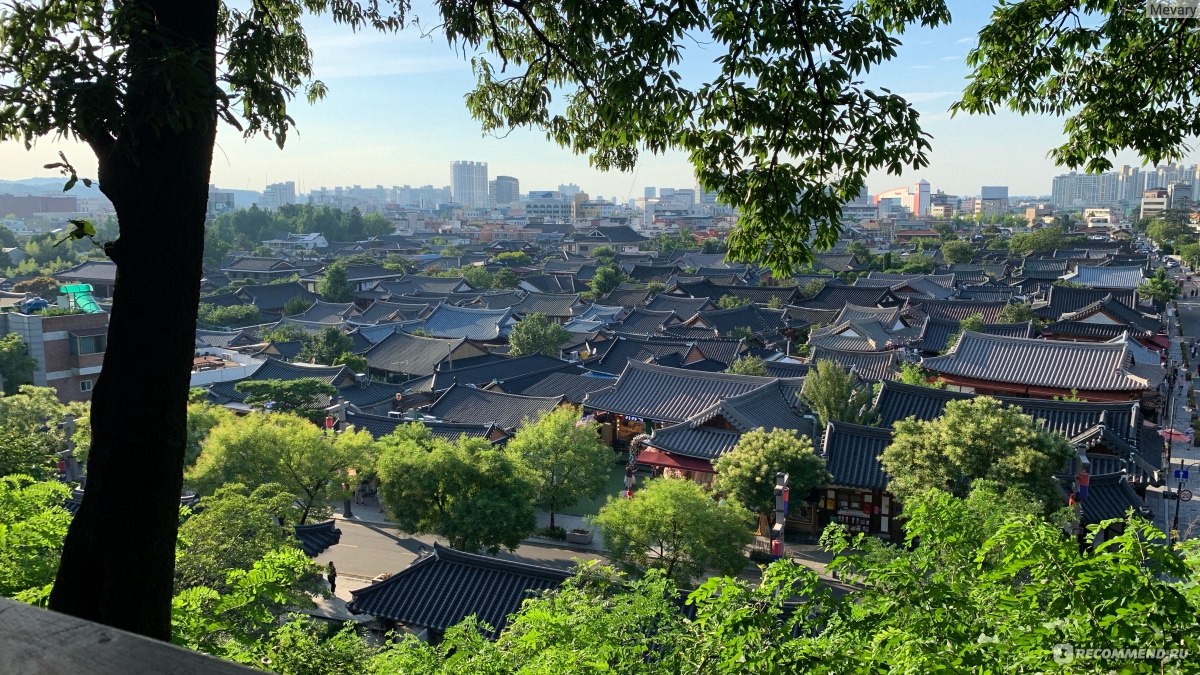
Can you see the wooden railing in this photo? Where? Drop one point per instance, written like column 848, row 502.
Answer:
column 35, row 641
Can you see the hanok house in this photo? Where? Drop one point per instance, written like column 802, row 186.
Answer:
column 446, row 586
column 857, row 497
column 1005, row 366
column 647, row 397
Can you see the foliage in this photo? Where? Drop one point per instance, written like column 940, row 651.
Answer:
column 604, row 255
column 43, row 287
column 537, row 334
column 958, row 252
column 326, row 347
column 672, row 525
column 237, row 623
column 505, row 278
column 976, row 439
column 235, row 316
column 285, row 449
column 514, row 258
column 29, row 435
column 831, row 392
column 471, row 493
column 606, row 279
column 335, row 286
column 911, row 373
column 477, row 276
column 1159, row 287
column 1018, row 312
column 16, row 365
column 202, row 416
column 356, row 363
column 1189, row 254
column 747, row 472
column 1164, row 232
column 567, row 457
column 33, row 523
column 972, row 323
column 1044, row 239
column 731, row 301
column 296, row 305
column 742, row 333
column 748, row 365
column 304, row 396
column 918, row 263
column 284, row 332
column 233, row 528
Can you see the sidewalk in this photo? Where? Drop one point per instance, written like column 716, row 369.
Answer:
column 1161, row 500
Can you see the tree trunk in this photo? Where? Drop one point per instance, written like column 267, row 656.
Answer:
column 119, row 557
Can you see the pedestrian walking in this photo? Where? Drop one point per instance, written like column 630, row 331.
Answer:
column 332, row 576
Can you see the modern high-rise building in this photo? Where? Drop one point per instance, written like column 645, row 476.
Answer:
column 650, row 192
column 1155, row 200
column 1180, row 195
column 505, row 190
column 469, row 184
column 993, row 200
column 915, row 199
column 279, row 194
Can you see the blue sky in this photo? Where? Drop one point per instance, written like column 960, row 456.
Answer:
column 395, row 116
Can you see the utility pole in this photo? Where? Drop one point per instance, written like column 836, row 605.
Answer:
column 1182, row 475
column 782, row 492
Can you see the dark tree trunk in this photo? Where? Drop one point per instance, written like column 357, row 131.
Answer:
column 119, row 558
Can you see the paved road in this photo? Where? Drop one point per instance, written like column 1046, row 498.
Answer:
column 370, row 549
column 1164, row 508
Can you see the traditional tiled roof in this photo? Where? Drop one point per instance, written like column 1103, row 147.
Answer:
column 628, row 349
column 887, row 316
column 811, row 315
column 1065, row 299
column 669, row 394
column 224, row 339
column 326, row 312
column 368, row 394
column 641, row 321
column 684, row 307
column 310, row 327
column 760, row 321
column 834, row 262
column 937, row 332
column 771, row 406
column 897, row 401
column 786, row 368
column 1040, row 363
column 572, row 387
column 88, row 271
column 645, row 274
column 317, row 537
column 1044, row 265
column 871, row 366
column 479, row 406
column 694, row 260
column 1111, row 496
column 686, row 332
column 854, row 335
column 836, row 297
column 689, row 440
column 445, row 587
column 558, row 306
column 1074, row 330
column 494, row 300
column 551, row 283
column 852, row 453
column 987, row 294
column 943, row 280
column 383, row 312
column 1119, row 311
column 626, row 295
column 1107, row 277
column 955, row 309
column 410, row 354
column 448, row 321
column 498, row 370
column 413, row 283
column 272, row 297
column 380, row 425
column 617, row 234
column 273, row 369
column 600, row 312
column 252, row 264
column 757, row 294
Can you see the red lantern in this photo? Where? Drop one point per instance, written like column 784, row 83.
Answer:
column 776, row 547
column 329, row 421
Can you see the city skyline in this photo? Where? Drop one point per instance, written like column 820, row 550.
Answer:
column 395, row 116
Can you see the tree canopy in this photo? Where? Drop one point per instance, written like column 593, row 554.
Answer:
column 976, row 439
column 33, row 523
column 285, row 449
column 16, row 365
column 672, row 525
column 831, row 392
column 473, row 494
column 1159, row 287
column 567, row 457
column 335, row 285
column 746, row 473
column 537, row 334
column 303, row 396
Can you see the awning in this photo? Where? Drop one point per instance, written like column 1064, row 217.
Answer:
column 654, row 457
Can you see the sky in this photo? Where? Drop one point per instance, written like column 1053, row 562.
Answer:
column 395, row 115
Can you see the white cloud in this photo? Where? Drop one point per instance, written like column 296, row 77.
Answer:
column 965, row 40
column 921, row 67
column 399, row 65
column 955, row 57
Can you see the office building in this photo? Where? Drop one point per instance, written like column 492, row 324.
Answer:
column 279, row 194
column 1154, row 201
column 505, row 190
column 469, row 184
column 993, row 200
